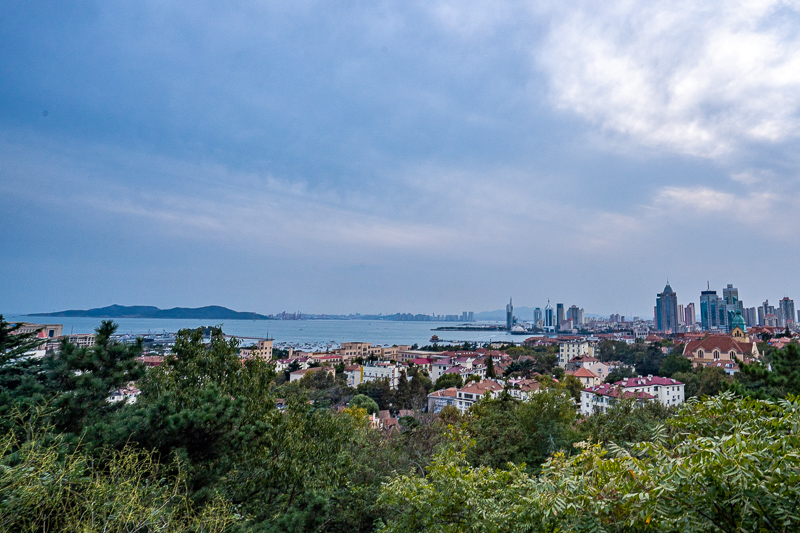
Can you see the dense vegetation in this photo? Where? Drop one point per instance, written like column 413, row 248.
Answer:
column 205, row 448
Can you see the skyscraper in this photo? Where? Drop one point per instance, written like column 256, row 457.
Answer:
column 559, row 314
column 787, row 311
column 509, row 315
column 690, row 316
column 548, row 315
column 667, row 310
column 732, row 303
column 537, row 317
column 576, row 314
column 708, row 309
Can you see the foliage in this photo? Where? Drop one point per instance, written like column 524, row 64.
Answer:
column 362, row 401
column 705, row 381
column 446, row 381
column 730, row 464
column 620, row 373
column 508, row 430
column 674, row 363
column 626, row 423
column 44, row 489
column 82, row 378
column 757, row 380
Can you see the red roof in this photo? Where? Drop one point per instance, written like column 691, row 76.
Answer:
column 723, row 343
column 582, row 372
column 646, row 381
column 452, row 391
column 482, row 387
column 606, row 389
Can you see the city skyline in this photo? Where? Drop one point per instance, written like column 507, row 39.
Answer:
column 424, row 156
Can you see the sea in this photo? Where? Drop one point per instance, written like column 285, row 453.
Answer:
column 301, row 334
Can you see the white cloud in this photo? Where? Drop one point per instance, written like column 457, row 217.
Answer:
column 692, row 77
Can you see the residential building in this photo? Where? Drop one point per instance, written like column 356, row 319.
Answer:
column 82, row 340
column 569, row 349
column 263, row 349
column 469, row 395
column 382, row 370
column 585, row 376
column 440, row 399
column 522, row 389
column 599, row 398
column 49, row 331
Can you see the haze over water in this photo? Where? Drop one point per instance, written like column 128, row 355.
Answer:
column 295, row 332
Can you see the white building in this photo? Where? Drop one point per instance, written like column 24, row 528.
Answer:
column 568, row 350
column 378, row 371
column 472, row 393
column 668, row 391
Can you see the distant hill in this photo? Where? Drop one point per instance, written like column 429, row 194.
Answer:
column 210, row 312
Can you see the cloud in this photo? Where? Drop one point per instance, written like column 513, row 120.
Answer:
column 702, row 79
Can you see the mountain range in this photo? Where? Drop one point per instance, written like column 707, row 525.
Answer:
column 210, row 312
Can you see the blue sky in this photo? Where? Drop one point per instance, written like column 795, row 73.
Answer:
column 433, row 156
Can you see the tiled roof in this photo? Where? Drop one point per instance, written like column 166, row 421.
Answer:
column 482, row 387
column 451, row 392
column 723, row 343
column 646, row 381
column 607, row 389
column 723, row 364
column 583, row 372
column 584, row 359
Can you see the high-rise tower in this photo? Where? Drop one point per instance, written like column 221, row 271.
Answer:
column 667, row 309
column 509, row 315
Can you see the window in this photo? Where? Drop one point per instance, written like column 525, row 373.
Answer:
column 716, row 354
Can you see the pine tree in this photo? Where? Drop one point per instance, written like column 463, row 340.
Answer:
column 490, row 372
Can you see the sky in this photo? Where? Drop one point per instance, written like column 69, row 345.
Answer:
column 417, row 156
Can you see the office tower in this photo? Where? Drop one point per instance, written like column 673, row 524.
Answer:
column 750, row 317
column 576, row 314
column 559, row 314
column 537, row 317
column 732, row 303
column 689, row 315
column 681, row 316
column 509, row 315
column 764, row 311
column 548, row 315
column 708, row 309
column 787, row 311
column 667, row 310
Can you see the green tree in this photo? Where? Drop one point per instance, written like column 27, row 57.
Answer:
column 44, row 489
column 725, row 464
column 620, row 373
column 83, row 378
column 757, row 380
column 573, row 386
column 490, row 373
column 446, row 381
column 362, row 401
column 674, row 363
